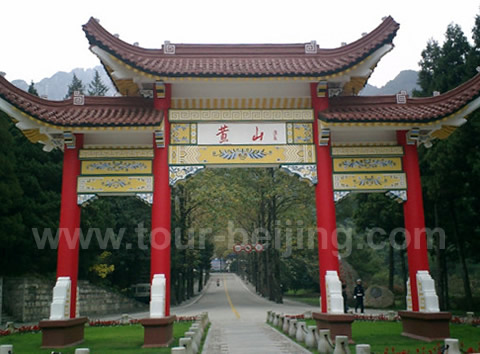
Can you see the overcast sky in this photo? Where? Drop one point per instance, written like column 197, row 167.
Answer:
column 39, row 38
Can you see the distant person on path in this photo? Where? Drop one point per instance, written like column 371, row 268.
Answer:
column 358, row 294
column 345, row 298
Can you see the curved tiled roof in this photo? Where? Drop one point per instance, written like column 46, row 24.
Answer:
column 385, row 109
column 242, row 60
column 96, row 112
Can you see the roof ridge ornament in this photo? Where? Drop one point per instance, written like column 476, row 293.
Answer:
column 311, row 48
column 402, row 97
column 78, row 98
column 168, row 48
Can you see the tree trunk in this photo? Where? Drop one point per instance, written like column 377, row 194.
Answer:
column 173, row 293
column 404, row 276
column 461, row 255
column 278, row 293
column 391, row 266
column 207, row 276
column 438, row 254
column 266, row 276
column 181, row 288
column 200, row 279
column 190, row 282
column 445, row 280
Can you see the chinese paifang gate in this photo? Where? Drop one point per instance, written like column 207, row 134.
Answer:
column 186, row 107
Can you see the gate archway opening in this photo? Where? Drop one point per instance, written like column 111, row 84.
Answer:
column 188, row 106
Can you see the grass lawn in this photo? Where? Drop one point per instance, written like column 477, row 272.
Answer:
column 104, row 340
column 312, row 301
column 383, row 336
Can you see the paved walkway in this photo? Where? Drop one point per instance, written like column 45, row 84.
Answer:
column 238, row 319
column 243, row 337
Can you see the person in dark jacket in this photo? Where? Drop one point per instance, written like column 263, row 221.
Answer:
column 358, row 295
column 345, row 298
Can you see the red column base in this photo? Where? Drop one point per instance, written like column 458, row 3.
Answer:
column 158, row 332
column 338, row 324
column 62, row 333
column 426, row 326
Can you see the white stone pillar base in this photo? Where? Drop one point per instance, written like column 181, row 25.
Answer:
column 427, row 295
column 60, row 307
column 157, row 296
column 334, row 292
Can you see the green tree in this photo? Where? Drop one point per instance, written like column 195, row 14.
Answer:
column 428, row 72
column 452, row 69
column 11, row 194
column 32, row 90
column 375, row 218
column 96, row 87
column 75, row 85
column 451, row 167
column 126, row 222
column 32, row 201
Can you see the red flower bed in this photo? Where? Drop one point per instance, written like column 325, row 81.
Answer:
column 374, row 318
column 28, row 329
column 187, row 318
column 100, row 323
column 296, row 317
column 92, row 323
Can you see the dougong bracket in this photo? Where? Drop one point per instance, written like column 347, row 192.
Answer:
column 69, row 139
column 413, row 136
column 160, row 137
column 324, row 137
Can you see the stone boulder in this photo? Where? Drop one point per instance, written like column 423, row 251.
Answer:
column 377, row 296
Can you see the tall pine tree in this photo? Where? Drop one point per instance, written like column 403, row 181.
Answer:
column 97, row 87
column 75, row 85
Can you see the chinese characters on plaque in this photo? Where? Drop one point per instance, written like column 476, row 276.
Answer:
column 241, row 133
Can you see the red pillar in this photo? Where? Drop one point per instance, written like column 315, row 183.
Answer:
column 325, row 205
column 68, row 244
column 414, row 217
column 161, row 207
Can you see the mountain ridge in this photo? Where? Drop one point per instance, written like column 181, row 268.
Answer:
column 405, row 80
column 56, row 87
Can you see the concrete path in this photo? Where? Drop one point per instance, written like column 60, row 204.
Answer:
column 238, row 319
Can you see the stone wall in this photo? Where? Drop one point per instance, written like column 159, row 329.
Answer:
column 28, row 299
column 96, row 301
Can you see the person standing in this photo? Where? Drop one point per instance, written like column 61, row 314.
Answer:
column 345, row 298
column 358, row 295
